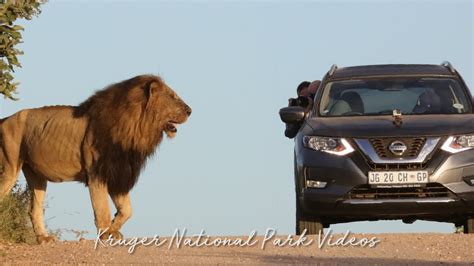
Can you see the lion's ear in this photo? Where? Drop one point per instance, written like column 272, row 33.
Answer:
column 153, row 89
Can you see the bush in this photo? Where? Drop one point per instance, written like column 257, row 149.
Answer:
column 15, row 223
column 10, row 34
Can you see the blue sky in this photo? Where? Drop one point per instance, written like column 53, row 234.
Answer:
column 229, row 170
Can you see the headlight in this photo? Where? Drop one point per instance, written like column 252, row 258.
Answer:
column 456, row 144
column 337, row 146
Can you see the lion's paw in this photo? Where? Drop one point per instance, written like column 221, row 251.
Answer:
column 116, row 235
column 112, row 234
column 45, row 239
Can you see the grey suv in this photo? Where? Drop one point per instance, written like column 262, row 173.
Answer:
column 385, row 142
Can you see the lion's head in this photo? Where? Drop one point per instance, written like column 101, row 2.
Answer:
column 166, row 104
column 127, row 121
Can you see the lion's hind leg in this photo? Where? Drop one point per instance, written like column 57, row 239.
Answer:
column 7, row 180
column 10, row 161
column 8, row 174
column 37, row 186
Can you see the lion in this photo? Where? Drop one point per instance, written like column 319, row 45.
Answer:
column 103, row 143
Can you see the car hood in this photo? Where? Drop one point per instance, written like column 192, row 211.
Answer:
column 383, row 126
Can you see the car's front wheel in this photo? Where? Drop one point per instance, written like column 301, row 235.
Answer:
column 304, row 222
column 469, row 226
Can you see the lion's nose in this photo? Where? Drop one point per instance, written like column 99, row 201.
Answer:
column 188, row 110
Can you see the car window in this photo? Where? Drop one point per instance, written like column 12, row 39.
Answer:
column 381, row 97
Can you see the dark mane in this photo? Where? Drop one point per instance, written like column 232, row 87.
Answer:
column 123, row 131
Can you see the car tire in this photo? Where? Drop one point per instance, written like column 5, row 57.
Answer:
column 303, row 221
column 312, row 225
column 469, row 226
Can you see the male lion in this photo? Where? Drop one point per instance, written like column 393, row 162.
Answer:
column 104, row 143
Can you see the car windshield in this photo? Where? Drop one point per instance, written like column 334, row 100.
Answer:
column 383, row 96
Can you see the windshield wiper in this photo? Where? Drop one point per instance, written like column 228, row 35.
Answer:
column 385, row 112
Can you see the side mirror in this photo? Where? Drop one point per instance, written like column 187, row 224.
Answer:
column 292, row 114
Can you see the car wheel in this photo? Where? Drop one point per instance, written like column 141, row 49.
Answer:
column 304, row 222
column 312, row 225
column 469, row 226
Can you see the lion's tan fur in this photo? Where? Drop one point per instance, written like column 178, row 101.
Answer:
column 104, row 143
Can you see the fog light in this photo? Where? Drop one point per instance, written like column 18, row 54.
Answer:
column 315, row 184
column 469, row 180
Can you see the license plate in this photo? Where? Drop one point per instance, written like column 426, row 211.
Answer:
column 398, row 177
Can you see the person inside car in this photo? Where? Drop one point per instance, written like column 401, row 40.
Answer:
column 313, row 88
column 305, row 92
column 428, row 103
column 302, row 91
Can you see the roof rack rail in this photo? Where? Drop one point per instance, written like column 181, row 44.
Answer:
column 332, row 70
column 449, row 66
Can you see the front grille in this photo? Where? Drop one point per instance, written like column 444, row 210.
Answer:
column 414, row 146
column 396, row 166
column 431, row 190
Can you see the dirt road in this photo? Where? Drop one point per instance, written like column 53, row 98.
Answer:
column 390, row 249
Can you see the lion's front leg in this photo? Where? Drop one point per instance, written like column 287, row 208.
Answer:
column 100, row 203
column 124, row 212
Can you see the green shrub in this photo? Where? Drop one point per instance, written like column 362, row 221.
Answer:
column 10, row 37
column 15, row 223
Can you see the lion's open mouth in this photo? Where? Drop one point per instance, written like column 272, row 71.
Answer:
column 171, row 127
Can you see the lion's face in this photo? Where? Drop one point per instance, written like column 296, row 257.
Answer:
column 170, row 107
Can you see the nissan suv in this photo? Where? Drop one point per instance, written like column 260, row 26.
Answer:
column 385, row 142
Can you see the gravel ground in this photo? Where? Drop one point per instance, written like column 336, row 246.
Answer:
column 392, row 249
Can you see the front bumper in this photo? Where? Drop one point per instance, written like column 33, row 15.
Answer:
column 344, row 174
